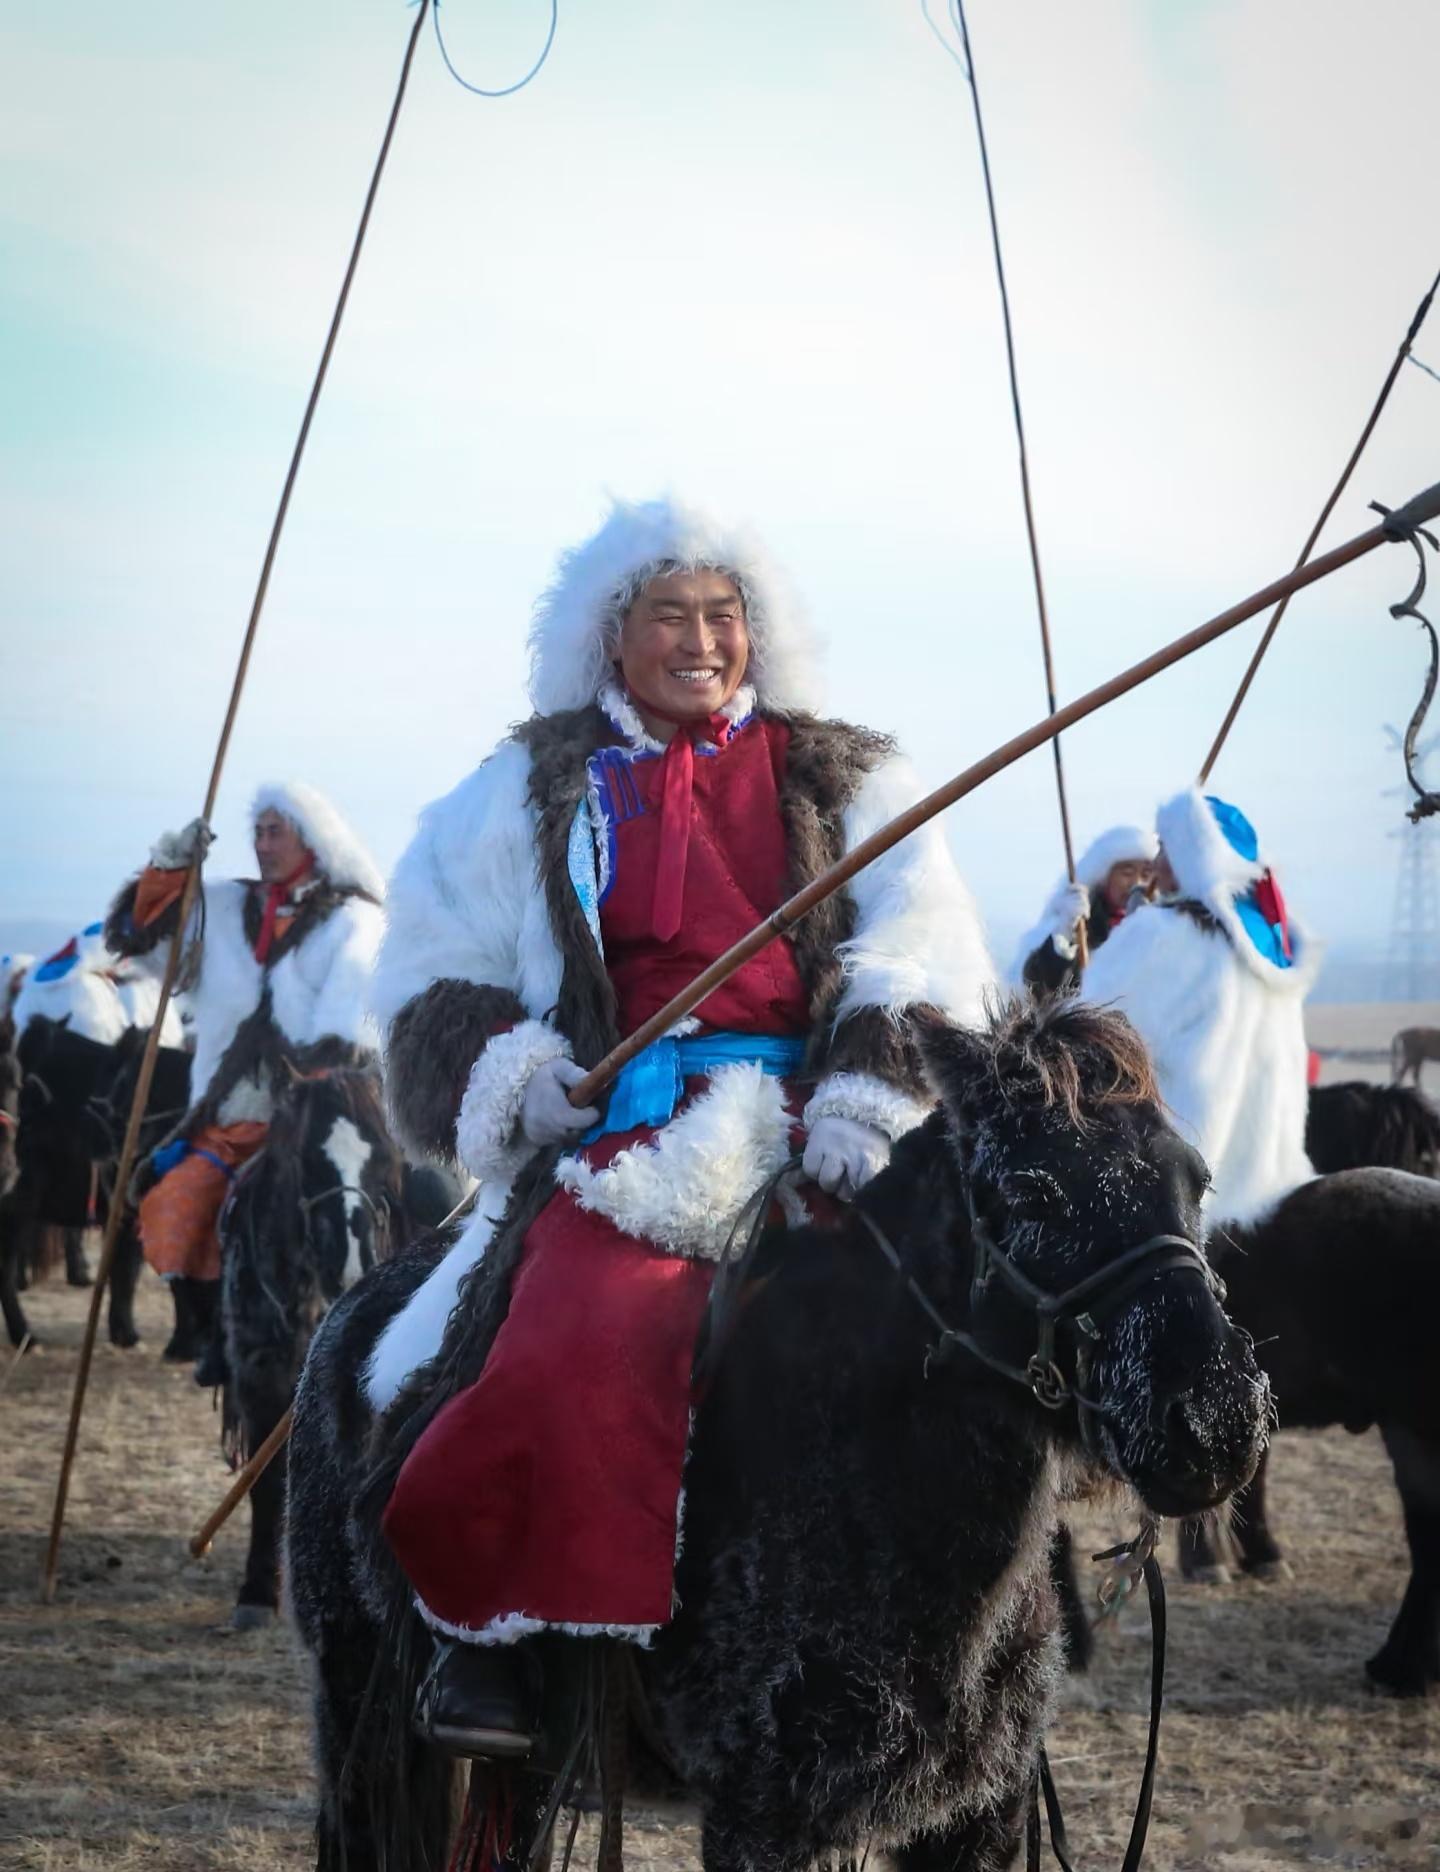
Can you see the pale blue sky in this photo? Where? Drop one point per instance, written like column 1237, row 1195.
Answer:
column 737, row 250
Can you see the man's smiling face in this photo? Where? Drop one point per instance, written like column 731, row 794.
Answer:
column 684, row 645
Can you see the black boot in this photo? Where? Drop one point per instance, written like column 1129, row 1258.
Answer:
column 480, row 1700
column 77, row 1273
column 184, row 1344
column 210, row 1334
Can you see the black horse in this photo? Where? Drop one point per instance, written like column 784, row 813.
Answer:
column 867, row 1644
column 1275, row 1293
column 72, row 1111
column 312, row 1212
column 1340, row 1285
column 1355, row 1124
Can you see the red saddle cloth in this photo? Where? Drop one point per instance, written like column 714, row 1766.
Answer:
column 550, row 1491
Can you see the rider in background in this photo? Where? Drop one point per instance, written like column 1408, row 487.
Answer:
column 1107, row 876
column 277, row 982
column 1214, row 974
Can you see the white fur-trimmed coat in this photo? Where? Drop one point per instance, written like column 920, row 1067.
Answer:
column 468, row 904
column 319, row 990
column 1224, row 1026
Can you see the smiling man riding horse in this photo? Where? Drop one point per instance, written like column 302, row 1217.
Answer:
column 276, row 984
column 671, row 789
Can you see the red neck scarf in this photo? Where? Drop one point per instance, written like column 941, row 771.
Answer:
column 1272, row 908
column 677, row 782
column 275, row 898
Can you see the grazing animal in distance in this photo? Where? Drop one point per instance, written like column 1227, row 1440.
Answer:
column 1410, row 1050
column 867, row 1640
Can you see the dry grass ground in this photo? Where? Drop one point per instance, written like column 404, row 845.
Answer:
column 137, row 1731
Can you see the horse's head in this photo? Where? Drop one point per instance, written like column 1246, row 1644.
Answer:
column 329, row 1140
column 1081, row 1193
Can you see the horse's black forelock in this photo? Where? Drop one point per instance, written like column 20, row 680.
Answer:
column 1052, row 1055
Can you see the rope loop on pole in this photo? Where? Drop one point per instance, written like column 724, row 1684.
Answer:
column 508, row 90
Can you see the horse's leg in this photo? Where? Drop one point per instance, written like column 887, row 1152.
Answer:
column 1079, row 1639
column 1257, row 1549
column 1408, row 1663
column 344, row 1657
column 77, row 1273
column 743, row 1833
column 12, row 1238
column 1202, row 1551
column 124, row 1274
column 261, row 1406
column 986, row 1843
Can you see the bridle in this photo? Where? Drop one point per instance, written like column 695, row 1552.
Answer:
column 1081, row 1309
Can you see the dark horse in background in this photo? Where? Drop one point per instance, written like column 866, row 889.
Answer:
column 867, row 1644
column 326, row 1199
column 73, row 1103
column 1336, row 1285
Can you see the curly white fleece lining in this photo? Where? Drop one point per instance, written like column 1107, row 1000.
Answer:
column 486, row 1139
column 684, row 1189
column 511, row 1627
column 865, row 1100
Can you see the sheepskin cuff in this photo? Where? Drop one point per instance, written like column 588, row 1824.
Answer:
column 487, row 1136
column 868, row 1101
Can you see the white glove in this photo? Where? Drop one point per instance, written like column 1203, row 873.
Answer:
column 546, row 1114
column 1070, row 905
column 842, row 1156
column 177, row 851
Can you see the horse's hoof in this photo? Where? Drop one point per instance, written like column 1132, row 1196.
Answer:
column 1216, row 1575
column 79, row 1279
column 252, row 1617
column 124, row 1337
column 1272, row 1572
column 1399, row 1677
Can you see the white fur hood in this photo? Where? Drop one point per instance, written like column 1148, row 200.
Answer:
column 338, row 851
column 577, row 621
column 1211, row 872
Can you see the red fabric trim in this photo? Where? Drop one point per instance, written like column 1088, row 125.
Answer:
column 156, row 891
column 275, row 899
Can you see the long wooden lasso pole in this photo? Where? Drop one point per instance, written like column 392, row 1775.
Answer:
column 117, row 1209
column 1047, row 652
column 1415, row 513
column 1319, row 527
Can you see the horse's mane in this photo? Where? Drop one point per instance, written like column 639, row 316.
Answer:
column 355, row 1090
column 1067, row 1053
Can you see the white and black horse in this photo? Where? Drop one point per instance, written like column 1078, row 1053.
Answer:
column 74, row 1100
column 325, row 1199
column 867, row 1645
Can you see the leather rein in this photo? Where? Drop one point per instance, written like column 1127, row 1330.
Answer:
column 1082, row 1308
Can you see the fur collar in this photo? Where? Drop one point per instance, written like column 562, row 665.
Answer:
column 577, row 621
column 339, row 855
column 1211, row 874
column 624, row 717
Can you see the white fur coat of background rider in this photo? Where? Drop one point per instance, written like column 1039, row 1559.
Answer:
column 1224, row 1025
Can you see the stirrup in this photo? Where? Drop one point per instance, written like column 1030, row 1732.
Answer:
column 478, row 1740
